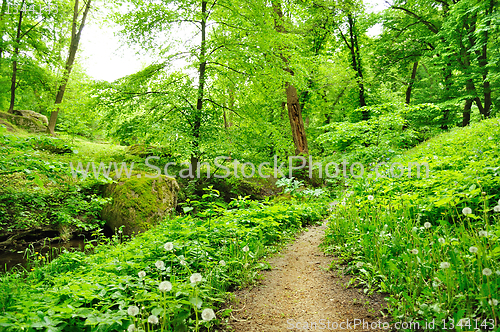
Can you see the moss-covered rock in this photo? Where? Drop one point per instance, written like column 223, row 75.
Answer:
column 139, row 202
column 29, row 124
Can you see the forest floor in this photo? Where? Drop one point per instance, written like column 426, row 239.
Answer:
column 300, row 293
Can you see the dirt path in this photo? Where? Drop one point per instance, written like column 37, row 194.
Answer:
column 300, row 294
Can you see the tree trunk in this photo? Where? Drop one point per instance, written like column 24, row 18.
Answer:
column 201, row 90
column 466, row 113
column 14, row 63
column 411, row 83
column 76, row 33
column 483, row 61
column 2, row 30
column 292, row 98
column 356, row 63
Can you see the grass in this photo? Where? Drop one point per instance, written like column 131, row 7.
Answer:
column 431, row 243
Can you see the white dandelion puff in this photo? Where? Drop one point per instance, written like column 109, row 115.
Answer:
column 441, row 240
column 466, row 211
column 493, row 302
column 371, row 198
column 246, row 248
column 195, row 277
column 153, row 319
column 487, row 272
column 496, row 208
column 222, row 263
column 473, row 250
column 168, row 246
column 207, row 314
column 483, row 233
column 427, row 224
column 141, row 274
column 444, row 265
column 131, row 328
column 160, row 265
column 133, row 310
column 165, row 286
column 414, row 251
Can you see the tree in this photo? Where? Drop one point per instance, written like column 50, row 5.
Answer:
column 76, row 33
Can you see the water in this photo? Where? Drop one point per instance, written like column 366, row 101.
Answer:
column 17, row 257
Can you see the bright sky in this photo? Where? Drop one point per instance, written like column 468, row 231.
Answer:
column 105, row 58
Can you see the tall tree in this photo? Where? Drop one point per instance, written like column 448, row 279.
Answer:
column 76, row 33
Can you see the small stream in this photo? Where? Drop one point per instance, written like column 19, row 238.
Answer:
column 17, row 257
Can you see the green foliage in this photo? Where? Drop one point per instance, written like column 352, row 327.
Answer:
column 416, row 239
column 94, row 292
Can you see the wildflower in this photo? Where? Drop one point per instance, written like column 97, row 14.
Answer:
column 343, row 203
column 496, row 208
column 195, row 277
column 371, row 198
column 444, row 265
column 414, row 229
column 160, row 265
column 245, row 248
column 497, row 272
column 466, row 211
column 183, row 262
column 141, row 274
column 133, row 310
column 207, row 315
column 131, row 328
column 487, row 272
column 483, row 233
column 414, row 251
column 222, row 263
column 348, row 194
column 493, row 302
column 168, row 246
column 165, row 286
column 427, row 224
column 441, row 240
column 473, row 250
column 153, row 319
column 359, row 265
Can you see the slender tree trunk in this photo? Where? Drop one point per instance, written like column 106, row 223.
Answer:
column 292, row 98
column 483, row 61
column 201, row 90
column 356, row 63
column 466, row 113
column 2, row 30
column 411, row 83
column 76, row 33
column 14, row 63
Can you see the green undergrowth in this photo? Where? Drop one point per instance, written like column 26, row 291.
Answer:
column 431, row 243
column 99, row 292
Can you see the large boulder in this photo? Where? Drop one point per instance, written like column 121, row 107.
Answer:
column 139, row 202
column 33, row 115
column 29, row 123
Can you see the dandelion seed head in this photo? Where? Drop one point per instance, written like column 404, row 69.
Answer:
column 487, row 272
column 246, row 248
column 153, row 319
column 359, row 265
column 131, row 328
column 160, row 265
column 427, row 225
column 414, row 251
column 165, row 286
column 466, row 211
column 493, row 302
column 444, row 265
column 222, row 263
column 183, row 262
column 415, row 229
column 207, row 315
column 195, row 277
column 371, row 198
column 141, row 274
column 168, row 246
column 133, row 310
column 441, row 240
column 473, row 250
column 483, row 233
column 496, row 208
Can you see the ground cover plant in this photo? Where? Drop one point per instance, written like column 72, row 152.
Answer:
column 171, row 278
column 431, row 243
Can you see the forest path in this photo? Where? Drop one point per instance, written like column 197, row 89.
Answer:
column 299, row 293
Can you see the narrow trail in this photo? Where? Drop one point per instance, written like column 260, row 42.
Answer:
column 300, row 294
